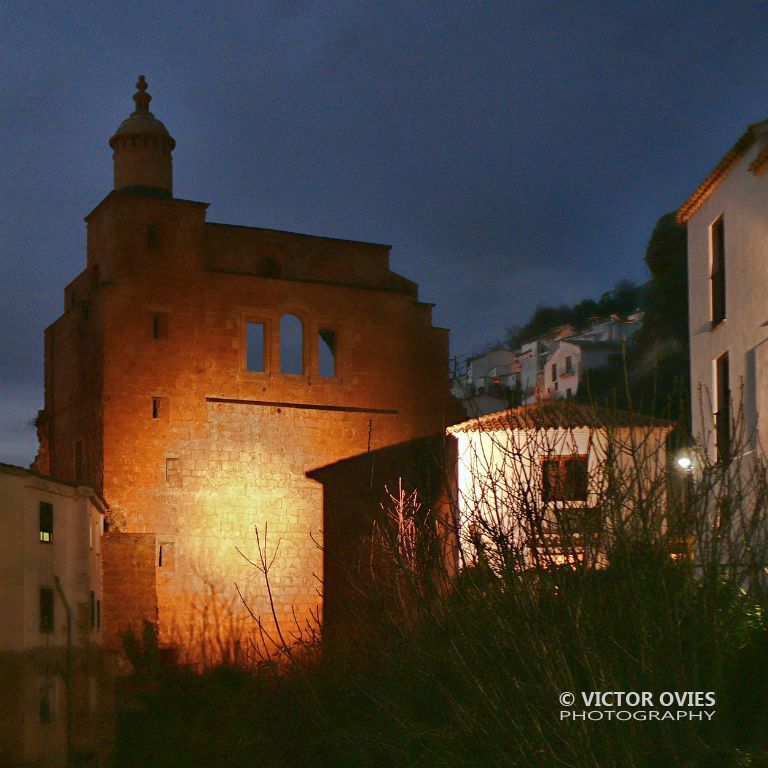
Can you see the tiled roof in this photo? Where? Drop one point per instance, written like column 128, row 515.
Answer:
column 553, row 414
column 721, row 170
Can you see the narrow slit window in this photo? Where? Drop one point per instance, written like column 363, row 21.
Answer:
column 159, row 408
column 92, row 608
column 98, row 614
column 46, row 522
column 327, row 353
column 46, row 609
column 254, row 347
column 291, row 345
column 160, row 325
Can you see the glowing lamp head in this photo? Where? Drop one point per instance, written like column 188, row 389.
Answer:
column 684, row 462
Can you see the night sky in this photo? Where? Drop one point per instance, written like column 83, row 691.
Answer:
column 511, row 153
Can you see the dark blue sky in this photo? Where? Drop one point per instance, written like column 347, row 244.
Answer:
column 511, row 153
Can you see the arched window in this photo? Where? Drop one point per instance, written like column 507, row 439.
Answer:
column 291, row 345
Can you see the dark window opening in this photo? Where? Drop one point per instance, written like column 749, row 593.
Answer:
column 46, row 522
column 327, row 353
column 98, row 614
column 722, row 408
column 569, row 364
column 565, row 478
column 254, row 347
column 554, row 371
column 717, row 283
column 159, row 408
column 291, row 345
column 92, row 608
column 45, row 702
column 46, row 609
column 160, row 325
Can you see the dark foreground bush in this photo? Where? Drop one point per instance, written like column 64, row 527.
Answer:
column 472, row 676
column 476, row 682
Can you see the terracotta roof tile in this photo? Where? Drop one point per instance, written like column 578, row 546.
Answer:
column 553, row 414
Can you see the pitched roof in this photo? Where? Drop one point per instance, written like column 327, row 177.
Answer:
column 554, row 414
column 722, row 169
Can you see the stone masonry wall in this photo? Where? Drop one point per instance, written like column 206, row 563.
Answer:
column 197, row 451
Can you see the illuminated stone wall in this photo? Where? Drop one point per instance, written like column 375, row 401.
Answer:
column 148, row 393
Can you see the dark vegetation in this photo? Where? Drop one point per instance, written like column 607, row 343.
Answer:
column 470, row 676
column 625, row 297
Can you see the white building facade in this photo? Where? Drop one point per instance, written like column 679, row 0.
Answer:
column 727, row 221
column 57, row 698
column 530, row 481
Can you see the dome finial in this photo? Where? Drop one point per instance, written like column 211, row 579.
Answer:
column 141, row 97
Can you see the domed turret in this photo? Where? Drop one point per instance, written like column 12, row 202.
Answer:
column 142, row 150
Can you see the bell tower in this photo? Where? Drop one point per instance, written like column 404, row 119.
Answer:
column 142, row 150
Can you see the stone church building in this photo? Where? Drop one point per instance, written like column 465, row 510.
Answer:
column 198, row 373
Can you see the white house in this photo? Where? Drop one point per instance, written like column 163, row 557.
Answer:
column 599, row 346
column 727, row 220
column 489, row 383
column 533, row 357
column 532, row 482
column 57, row 693
column 571, row 359
column 496, row 368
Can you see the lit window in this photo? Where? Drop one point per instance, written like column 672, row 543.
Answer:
column 717, row 277
column 46, row 522
column 565, row 478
